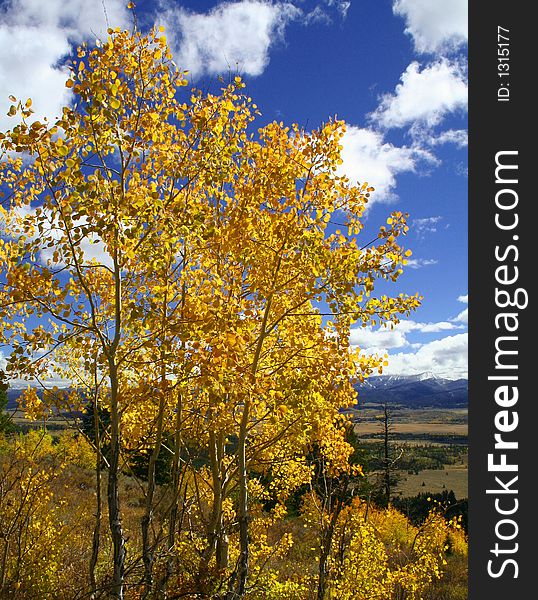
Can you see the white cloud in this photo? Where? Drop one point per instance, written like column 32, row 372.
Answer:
column 27, row 71
column 367, row 157
column 93, row 249
column 435, row 25
column 427, row 225
column 317, row 15
column 418, row 263
column 424, row 96
column 50, row 378
column 436, row 327
column 371, row 340
column 463, row 317
column 77, row 18
column 232, row 36
column 424, row 136
column 341, row 5
column 322, row 12
column 48, row 381
column 374, row 339
column 462, row 170
column 458, row 137
column 35, row 37
column 446, row 357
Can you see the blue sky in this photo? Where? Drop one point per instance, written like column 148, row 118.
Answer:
column 394, row 70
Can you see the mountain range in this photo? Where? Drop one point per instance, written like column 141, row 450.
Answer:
column 411, row 391
column 424, row 390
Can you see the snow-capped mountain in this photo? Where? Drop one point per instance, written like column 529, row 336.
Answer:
column 415, row 391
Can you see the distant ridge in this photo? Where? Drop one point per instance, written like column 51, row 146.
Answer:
column 14, row 393
column 423, row 390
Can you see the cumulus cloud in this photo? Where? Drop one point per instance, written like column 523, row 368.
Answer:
column 435, row 25
column 462, row 317
column 446, row 357
column 374, row 339
column 77, row 18
column 368, row 157
column 424, row 96
column 35, row 37
column 27, row 71
column 236, row 36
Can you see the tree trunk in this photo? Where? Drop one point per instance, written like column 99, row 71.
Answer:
column 222, row 539
column 333, row 494
column 242, row 515
column 175, row 481
column 98, row 501
column 147, row 550
column 114, row 512
column 241, row 571
column 216, row 539
column 4, row 565
column 160, row 585
column 327, row 541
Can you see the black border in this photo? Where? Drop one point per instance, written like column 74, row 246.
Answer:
column 498, row 126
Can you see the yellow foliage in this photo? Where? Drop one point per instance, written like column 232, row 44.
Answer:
column 378, row 553
column 181, row 272
column 31, row 532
